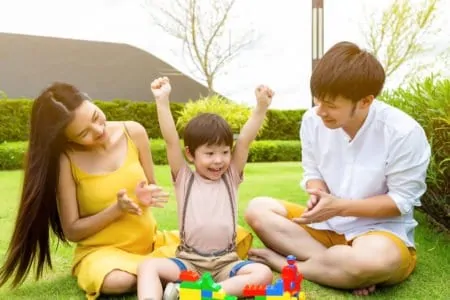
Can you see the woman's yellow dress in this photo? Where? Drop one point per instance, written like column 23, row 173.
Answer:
column 123, row 244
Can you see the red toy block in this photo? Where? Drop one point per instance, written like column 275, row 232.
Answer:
column 189, row 276
column 254, row 290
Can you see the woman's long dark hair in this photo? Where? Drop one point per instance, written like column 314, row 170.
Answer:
column 52, row 111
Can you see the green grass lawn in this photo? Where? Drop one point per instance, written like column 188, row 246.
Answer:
column 430, row 280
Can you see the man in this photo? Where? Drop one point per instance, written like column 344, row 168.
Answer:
column 365, row 166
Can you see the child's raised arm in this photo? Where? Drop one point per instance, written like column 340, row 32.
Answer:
column 161, row 90
column 248, row 133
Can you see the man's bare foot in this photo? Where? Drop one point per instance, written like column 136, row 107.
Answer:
column 364, row 291
column 268, row 257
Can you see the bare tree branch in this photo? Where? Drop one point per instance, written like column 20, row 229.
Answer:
column 202, row 27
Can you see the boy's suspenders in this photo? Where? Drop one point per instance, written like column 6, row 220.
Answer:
column 183, row 246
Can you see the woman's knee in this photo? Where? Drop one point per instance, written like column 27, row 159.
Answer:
column 258, row 209
column 118, row 282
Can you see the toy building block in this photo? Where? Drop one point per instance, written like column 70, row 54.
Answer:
column 292, row 278
column 219, row 295
column 203, row 288
column 207, row 283
column 207, row 294
column 194, row 285
column 302, row 296
column 190, row 294
column 189, row 276
column 251, row 290
column 276, row 289
column 260, row 297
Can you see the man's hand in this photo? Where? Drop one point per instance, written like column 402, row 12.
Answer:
column 321, row 207
column 312, row 202
column 264, row 96
column 161, row 89
column 151, row 195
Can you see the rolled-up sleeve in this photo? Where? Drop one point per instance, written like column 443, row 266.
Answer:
column 406, row 169
column 309, row 163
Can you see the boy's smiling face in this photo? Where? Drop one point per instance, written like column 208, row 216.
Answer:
column 211, row 161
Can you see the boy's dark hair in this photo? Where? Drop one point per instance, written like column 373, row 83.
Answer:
column 209, row 129
column 346, row 70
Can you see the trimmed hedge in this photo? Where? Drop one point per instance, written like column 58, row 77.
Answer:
column 15, row 114
column 12, row 153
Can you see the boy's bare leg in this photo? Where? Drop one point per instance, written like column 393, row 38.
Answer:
column 248, row 274
column 150, row 275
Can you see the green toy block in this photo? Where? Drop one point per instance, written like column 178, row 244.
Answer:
column 208, row 284
column 228, row 297
column 191, row 285
column 260, row 298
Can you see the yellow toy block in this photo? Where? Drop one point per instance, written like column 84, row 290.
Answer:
column 301, row 296
column 220, row 295
column 286, row 296
column 190, row 294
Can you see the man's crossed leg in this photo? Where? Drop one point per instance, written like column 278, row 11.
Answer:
column 325, row 257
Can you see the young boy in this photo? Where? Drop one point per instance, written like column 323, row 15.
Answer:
column 206, row 199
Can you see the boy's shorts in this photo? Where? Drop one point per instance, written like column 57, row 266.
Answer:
column 330, row 238
column 220, row 267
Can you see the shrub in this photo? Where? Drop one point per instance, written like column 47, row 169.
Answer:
column 279, row 124
column 429, row 103
column 235, row 114
column 12, row 154
column 271, row 151
column 15, row 113
column 14, row 119
column 282, row 125
column 142, row 112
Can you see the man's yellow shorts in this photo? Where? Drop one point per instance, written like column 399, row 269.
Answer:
column 330, row 238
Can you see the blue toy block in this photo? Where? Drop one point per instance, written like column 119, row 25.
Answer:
column 207, row 294
column 276, row 289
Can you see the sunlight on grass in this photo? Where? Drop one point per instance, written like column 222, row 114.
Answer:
column 281, row 180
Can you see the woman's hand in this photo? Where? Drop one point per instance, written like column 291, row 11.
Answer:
column 126, row 204
column 151, row 194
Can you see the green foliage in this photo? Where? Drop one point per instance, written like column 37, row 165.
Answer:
column 400, row 37
column 282, row 125
column 271, row 151
column 235, row 114
column 142, row 112
column 14, row 119
column 12, row 153
column 429, row 103
column 279, row 124
column 15, row 113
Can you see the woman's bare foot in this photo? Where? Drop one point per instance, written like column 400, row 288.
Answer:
column 268, row 257
column 364, row 291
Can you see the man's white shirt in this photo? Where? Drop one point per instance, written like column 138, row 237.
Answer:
column 389, row 155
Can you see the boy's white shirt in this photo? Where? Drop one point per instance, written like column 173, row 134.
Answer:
column 389, row 155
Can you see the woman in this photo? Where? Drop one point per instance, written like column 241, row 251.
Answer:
column 86, row 178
